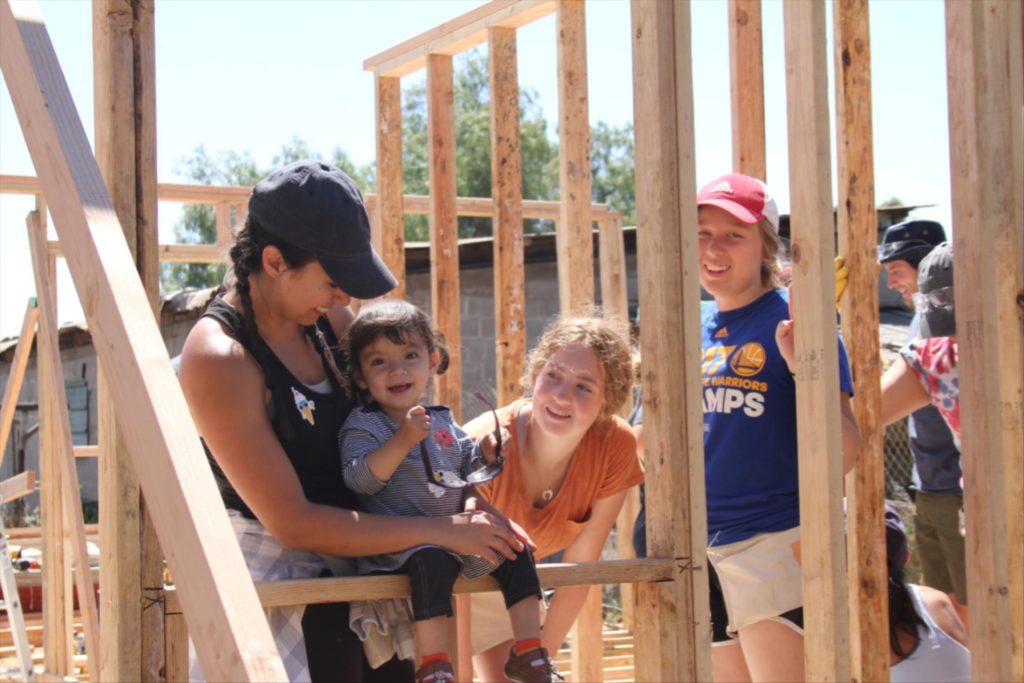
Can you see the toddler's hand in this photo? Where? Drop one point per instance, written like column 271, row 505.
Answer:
column 415, row 426
column 489, row 445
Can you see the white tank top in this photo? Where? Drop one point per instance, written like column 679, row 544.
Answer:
column 938, row 658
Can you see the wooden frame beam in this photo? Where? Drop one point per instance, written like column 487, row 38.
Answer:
column 858, row 232
column 673, row 640
column 746, row 71
column 18, row 486
column 985, row 103
column 69, row 489
column 444, row 228
column 233, row 639
column 17, row 374
column 826, row 628
column 389, row 233
column 573, row 231
column 457, row 35
column 507, row 194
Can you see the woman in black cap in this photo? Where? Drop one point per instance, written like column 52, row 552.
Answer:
column 265, row 388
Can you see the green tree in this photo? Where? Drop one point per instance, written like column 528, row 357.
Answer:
column 613, row 172
column 473, row 146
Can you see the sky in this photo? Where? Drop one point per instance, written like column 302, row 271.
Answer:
column 250, row 75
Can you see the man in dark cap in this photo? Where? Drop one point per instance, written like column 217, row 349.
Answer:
column 936, row 474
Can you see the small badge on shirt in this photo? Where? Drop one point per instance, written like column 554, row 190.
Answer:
column 304, row 405
column 438, row 491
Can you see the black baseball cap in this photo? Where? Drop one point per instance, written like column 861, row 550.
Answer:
column 935, row 285
column 910, row 241
column 315, row 206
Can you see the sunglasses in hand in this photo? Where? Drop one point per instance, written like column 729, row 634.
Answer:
column 480, row 471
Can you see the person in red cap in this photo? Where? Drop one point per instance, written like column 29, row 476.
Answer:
column 266, row 390
column 750, row 447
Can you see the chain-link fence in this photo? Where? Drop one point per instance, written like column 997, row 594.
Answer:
column 899, row 462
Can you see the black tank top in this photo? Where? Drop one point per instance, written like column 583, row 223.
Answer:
column 305, row 421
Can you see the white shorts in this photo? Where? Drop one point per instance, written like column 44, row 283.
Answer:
column 760, row 577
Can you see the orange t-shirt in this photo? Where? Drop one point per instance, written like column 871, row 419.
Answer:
column 605, row 463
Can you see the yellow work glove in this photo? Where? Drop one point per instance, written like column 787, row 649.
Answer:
column 842, row 278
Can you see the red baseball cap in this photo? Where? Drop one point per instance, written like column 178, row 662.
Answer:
column 744, row 197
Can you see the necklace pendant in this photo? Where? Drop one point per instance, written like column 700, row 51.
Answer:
column 547, row 495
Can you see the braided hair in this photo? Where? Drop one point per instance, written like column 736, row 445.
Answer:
column 246, row 256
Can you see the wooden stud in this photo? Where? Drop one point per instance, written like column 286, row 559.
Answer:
column 18, row 486
column 389, row 230
column 624, row 546
column 507, row 191
column 826, row 628
column 56, row 632
column 457, row 35
column 176, row 642
column 222, row 216
column 1014, row 473
column 673, row 639
column 587, row 645
column 746, row 72
column 858, row 232
column 984, row 113
column 72, row 503
column 120, row 594
column 232, row 637
column 17, row 374
column 612, row 260
column 573, row 233
column 444, row 228
column 147, row 260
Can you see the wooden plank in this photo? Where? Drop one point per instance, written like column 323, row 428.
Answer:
column 147, row 259
column 389, row 231
column 234, row 640
column 56, row 634
column 674, row 634
column 120, row 594
column 86, row 451
column 17, row 373
column 457, row 35
column 746, row 71
column 176, row 642
column 72, row 502
column 826, row 628
column 18, row 486
column 346, row 589
column 1014, row 473
column 612, row 261
column 191, row 253
column 982, row 38
column 573, row 231
column 586, row 660
column 858, row 233
column 507, row 191
column 624, row 546
column 444, row 229
column 222, row 216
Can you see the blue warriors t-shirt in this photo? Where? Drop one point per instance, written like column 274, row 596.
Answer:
column 750, row 453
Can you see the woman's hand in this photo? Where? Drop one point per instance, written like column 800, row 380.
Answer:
column 480, row 533
column 785, row 336
column 490, row 442
column 475, row 503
